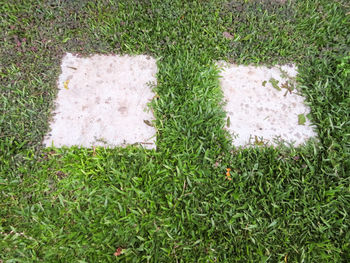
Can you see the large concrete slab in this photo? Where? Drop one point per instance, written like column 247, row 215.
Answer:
column 263, row 106
column 102, row 101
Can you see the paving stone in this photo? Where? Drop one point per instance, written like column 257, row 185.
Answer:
column 263, row 105
column 102, row 101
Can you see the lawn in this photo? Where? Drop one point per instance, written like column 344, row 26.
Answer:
column 174, row 204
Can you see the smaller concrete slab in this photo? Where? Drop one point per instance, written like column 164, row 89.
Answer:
column 102, row 101
column 263, row 106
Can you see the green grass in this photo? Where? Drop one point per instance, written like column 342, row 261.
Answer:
column 174, row 204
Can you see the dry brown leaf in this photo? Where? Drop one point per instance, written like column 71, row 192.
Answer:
column 118, row 252
column 227, row 35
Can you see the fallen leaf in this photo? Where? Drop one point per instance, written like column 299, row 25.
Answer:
column 274, row 83
column 118, row 252
column 301, row 119
column 264, row 83
column 228, row 175
column 61, row 174
column 65, row 84
column 227, row 35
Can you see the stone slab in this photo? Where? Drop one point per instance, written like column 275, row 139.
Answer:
column 263, row 105
column 102, row 101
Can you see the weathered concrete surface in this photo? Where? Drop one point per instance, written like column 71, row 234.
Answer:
column 263, row 105
column 102, row 101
